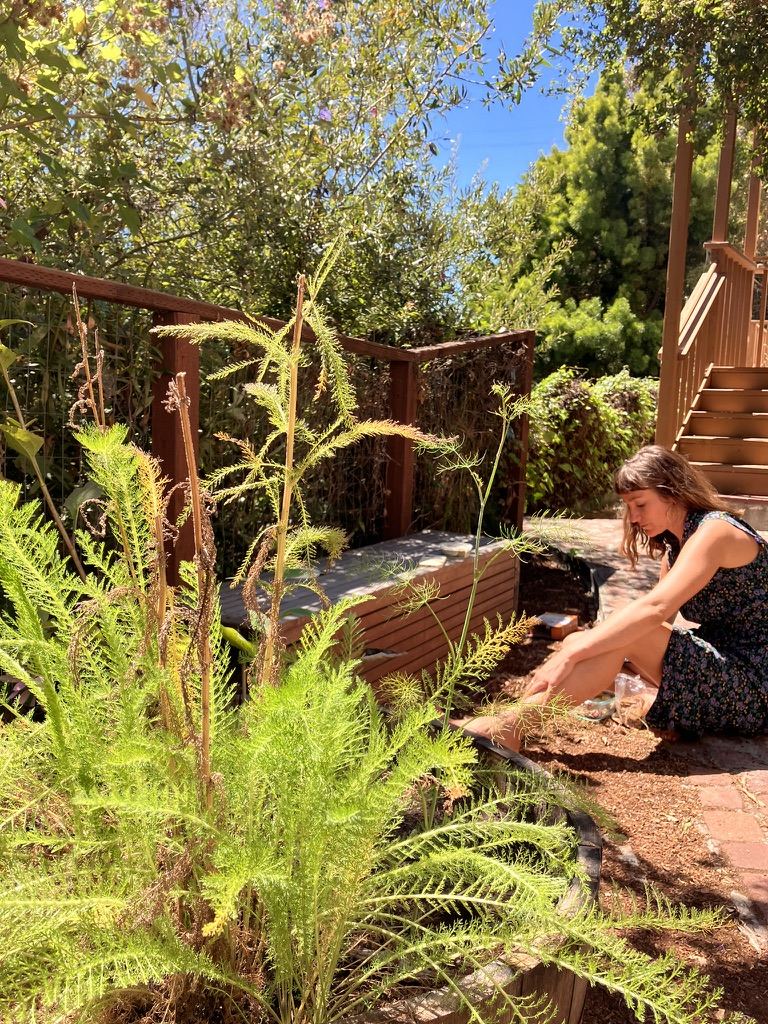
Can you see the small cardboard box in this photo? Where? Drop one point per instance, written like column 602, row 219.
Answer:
column 556, row 625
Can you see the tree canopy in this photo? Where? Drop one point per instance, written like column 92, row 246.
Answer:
column 600, row 211
column 217, row 148
column 718, row 47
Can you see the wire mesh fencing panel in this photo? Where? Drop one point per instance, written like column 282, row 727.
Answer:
column 455, row 400
column 348, row 491
column 47, row 345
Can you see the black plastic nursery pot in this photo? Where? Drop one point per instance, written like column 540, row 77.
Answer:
column 525, row 976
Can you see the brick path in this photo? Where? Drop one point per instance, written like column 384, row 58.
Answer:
column 730, row 774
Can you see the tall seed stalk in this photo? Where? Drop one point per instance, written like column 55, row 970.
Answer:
column 268, row 665
column 178, row 401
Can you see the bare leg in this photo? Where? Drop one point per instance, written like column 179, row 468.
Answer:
column 588, row 678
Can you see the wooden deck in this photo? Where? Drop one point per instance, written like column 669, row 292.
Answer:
column 395, row 643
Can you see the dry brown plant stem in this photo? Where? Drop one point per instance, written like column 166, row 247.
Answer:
column 205, row 645
column 267, row 668
column 97, row 409
column 46, row 493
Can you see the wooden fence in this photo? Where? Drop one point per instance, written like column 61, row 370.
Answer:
column 178, row 355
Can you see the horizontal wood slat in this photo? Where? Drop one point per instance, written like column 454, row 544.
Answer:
column 727, row 450
column 728, row 424
column 455, row 586
column 745, row 480
column 727, row 400
column 739, row 377
column 432, row 647
column 411, row 632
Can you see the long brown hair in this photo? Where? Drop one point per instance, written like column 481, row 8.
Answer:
column 672, row 476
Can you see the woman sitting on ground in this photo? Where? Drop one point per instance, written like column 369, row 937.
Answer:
column 714, row 569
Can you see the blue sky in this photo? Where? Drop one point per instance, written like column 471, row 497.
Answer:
column 508, row 141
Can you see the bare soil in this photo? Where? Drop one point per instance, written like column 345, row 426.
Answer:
column 642, row 783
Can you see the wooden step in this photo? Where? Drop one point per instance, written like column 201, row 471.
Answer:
column 726, row 400
column 751, row 481
column 728, row 424
column 732, row 451
column 754, row 378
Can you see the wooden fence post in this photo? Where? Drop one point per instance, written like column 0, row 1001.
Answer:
column 401, row 462
column 517, row 510
column 725, row 181
column 667, row 416
column 178, row 355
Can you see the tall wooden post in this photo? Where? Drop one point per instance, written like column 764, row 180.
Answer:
column 178, row 356
column 666, row 420
column 401, row 463
column 753, row 215
column 725, row 181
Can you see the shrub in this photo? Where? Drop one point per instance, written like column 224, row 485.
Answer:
column 600, row 339
column 581, row 431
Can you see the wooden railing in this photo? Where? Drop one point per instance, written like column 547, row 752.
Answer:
column 758, row 329
column 178, row 355
column 716, row 328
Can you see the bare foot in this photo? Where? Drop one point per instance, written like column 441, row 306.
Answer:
column 492, row 727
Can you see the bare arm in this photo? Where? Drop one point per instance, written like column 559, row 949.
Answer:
column 714, row 545
column 663, row 570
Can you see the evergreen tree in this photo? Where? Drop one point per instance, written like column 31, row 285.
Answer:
column 611, row 192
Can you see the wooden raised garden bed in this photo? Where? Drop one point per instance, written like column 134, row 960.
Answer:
column 395, row 643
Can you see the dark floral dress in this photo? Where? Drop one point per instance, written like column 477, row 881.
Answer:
column 715, row 677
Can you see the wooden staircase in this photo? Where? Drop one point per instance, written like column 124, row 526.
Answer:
column 726, row 432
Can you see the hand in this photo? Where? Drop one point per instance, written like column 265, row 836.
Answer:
column 549, row 678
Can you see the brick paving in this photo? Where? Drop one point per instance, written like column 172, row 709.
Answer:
column 729, row 774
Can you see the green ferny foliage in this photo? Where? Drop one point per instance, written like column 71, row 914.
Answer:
column 293, row 448
column 304, row 892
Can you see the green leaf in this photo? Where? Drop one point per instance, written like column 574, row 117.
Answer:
column 51, row 56
column 78, row 20
column 21, row 440
column 130, row 217
column 144, row 96
column 10, row 323
column 80, row 211
column 7, row 357
column 14, row 45
column 58, row 110
column 237, row 640
column 88, row 492
column 76, row 63
column 23, row 231
column 9, row 88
